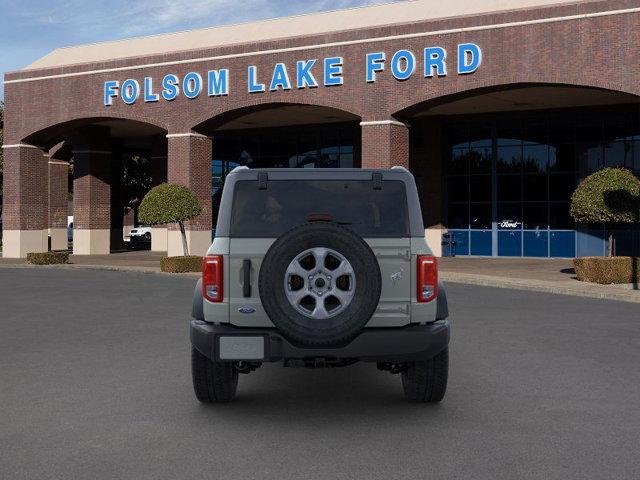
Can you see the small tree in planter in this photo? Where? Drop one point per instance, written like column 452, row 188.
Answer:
column 611, row 195
column 170, row 203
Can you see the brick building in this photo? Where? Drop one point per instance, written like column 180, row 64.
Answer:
column 498, row 107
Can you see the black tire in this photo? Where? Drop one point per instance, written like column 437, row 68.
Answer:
column 427, row 381
column 213, row 382
column 147, row 237
column 345, row 325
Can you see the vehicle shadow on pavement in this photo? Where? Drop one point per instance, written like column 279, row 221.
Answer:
column 355, row 394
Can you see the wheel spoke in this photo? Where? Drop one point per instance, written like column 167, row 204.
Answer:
column 296, row 269
column 319, row 254
column 343, row 269
column 296, row 296
column 343, row 296
column 320, row 312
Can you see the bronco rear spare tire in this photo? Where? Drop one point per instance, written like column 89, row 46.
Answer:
column 320, row 284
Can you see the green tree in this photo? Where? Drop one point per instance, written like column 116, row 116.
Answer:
column 611, row 195
column 170, row 203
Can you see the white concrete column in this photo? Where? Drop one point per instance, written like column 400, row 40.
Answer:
column 198, row 242
column 159, row 239
column 433, row 236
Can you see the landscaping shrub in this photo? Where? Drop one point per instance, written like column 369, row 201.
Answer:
column 607, row 270
column 48, row 258
column 181, row 264
column 611, row 195
column 170, row 203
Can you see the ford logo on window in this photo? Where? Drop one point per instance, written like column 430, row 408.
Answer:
column 509, row 224
column 247, row 310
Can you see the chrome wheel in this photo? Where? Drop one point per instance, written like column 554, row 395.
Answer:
column 319, row 283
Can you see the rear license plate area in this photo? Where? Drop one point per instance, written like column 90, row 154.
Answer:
column 240, row 348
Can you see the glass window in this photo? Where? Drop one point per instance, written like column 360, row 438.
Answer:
column 535, row 188
column 458, row 215
column 636, row 156
column 589, row 130
column 509, row 133
column 619, row 127
column 458, row 189
column 561, row 187
column 559, row 217
column 535, row 244
column 346, row 160
column 509, row 188
column 562, row 158
column 618, row 154
column 509, row 159
column 284, row 205
column 561, row 130
column 459, row 136
column 509, row 216
column 535, row 158
column 459, row 161
column 535, row 216
column 480, row 216
column 480, row 136
column 481, row 188
column 480, row 159
column 589, row 157
column 535, row 133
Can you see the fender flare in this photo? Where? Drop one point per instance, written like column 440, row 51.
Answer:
column 197, row 308
column 442, row 311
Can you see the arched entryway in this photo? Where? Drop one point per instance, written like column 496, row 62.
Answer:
column 280, row 136
column 496, row 167
column 89, row 171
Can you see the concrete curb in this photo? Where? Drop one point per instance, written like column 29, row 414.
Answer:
column 621, row 293
column 112, row 268
column 573, row 287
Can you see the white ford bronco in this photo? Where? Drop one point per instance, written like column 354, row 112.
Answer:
column 319, row 268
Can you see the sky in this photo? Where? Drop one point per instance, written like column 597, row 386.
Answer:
column 29, row 29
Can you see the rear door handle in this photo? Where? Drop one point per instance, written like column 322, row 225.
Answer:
column 246, row 278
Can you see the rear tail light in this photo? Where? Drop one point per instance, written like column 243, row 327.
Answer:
column 427, row 278
column 212, row 278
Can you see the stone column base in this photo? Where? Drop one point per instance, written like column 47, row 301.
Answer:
column 91, row 242
column 159, row 239
column 198, row 242
column 17, row 243
column 433, row 236
column 59, row 239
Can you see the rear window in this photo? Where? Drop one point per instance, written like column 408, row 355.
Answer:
column 286, row 204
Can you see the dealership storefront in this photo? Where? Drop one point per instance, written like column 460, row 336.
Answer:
column 498, row 114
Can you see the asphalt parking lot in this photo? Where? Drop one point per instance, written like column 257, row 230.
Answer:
column 95, row 383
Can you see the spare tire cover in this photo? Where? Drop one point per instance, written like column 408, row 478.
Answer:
column 320, row 284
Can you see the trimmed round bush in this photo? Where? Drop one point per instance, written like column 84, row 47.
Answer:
column 168, row 203
column 185, row 264
column 611, row 195
column 608, row 270
column 48, row 258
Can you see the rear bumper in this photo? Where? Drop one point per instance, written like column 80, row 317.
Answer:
column 395, row 345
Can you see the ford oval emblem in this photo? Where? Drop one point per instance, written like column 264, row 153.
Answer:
column 247, row 310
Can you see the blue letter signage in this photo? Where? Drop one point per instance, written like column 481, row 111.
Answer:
column 430, row 62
